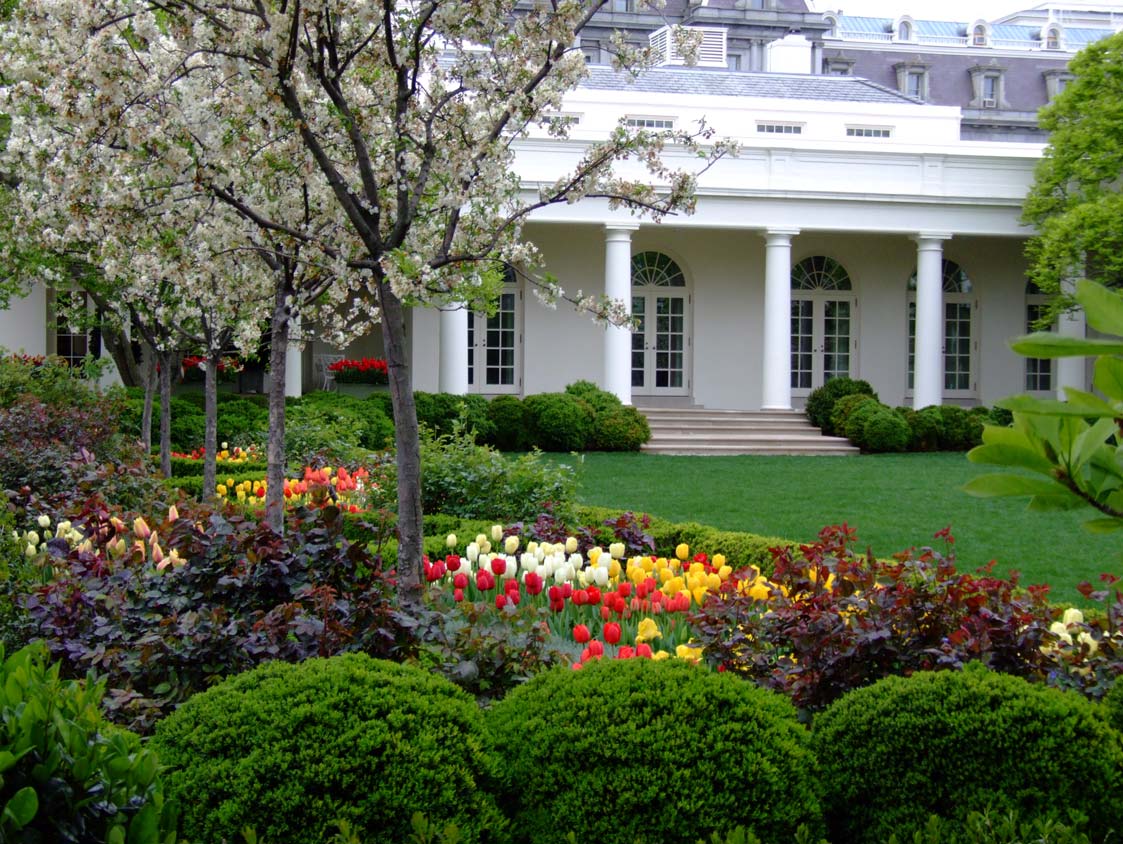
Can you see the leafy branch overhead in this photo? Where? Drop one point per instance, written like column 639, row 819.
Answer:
column 1068, row 453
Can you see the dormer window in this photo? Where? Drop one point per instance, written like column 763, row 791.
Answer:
column 832, row 22
column 988, row 86
column 1055, row 82
column 912, row 79
column 979, row 35
column 905, row 29
column 1052, row 38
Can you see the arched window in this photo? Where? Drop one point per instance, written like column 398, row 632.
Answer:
column 904, row 31
column 955, row 279
column 979, row 35
column 832, row 22
column 1052, row 38
column 820, row 273
column 657, row 270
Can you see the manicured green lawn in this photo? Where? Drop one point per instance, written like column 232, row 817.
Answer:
column 894, row 501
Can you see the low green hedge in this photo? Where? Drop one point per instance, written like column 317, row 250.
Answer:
column 184, row 467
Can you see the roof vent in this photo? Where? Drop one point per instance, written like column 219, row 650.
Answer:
column 711, row 50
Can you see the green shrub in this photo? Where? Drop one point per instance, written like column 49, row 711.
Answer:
column 1000, row 416
column 384, row 402
column 557, row 422
column 821, row 402
column 290, row 749
column 185, row 467
column 461, row 478
column 926, row 428
column 860, row 412
column 620, row 429
column 1113, row 705
column 600, row 401
column 950, row 743
column 962, row 430
column 67, row 774
column 440, row 411
column 844, row 407
column 884, row 431
column 240, row 420
column 636, row 750
column 366, row 423
column 50, row 379
column 508, row 430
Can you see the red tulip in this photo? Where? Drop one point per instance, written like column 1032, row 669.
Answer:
column 458, row 595
column 596, row 648
column 593, row 594
column 580, row 597
column 643, row 650
column 626, row 652
column 605, row 612
column 484, row 580
column 460, row 581
column 498, row 566
column 612, row 633
column 624, row 589
column 581, row 634
column 500, row 600
column 510, row 585
column 533, row 583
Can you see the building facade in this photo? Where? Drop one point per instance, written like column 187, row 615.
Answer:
column 869, row 228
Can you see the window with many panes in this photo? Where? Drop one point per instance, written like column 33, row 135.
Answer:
column 958, row 329
column 1039, row 371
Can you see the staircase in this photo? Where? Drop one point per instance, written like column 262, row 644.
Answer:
column 699, row 431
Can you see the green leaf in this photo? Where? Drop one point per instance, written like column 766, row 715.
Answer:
column 1088, row 442
column 1042, row 407
column 21, row 808
column 1105, row 525
column 1001, row 454
column 1045, row 344
column 990, row 486
column 144, row 828
column 1103, row 308
column 116, row 835
column 1108, row 378
column 1089, row 404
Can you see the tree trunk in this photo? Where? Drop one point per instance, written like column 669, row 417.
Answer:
column 408, row 444
column 275, row 447
column 168, row 360
column 210, row 437
column 148, row 376
column 119, row 346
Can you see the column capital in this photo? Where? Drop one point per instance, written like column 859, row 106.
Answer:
column 620, row 231
column 779, row 236
column 930, row 240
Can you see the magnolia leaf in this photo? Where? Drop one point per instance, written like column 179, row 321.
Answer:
column 1042, row 407
column 1004, row 435
column 1089, row 404
column 1045, row 344
column 144, row 826
column 22, row 806
column 1108, row 378
column 1002, row 454
column 1088, row 442
column 1057, row 501
column 1104, row 525
column 991, row 486
column 1103, row 308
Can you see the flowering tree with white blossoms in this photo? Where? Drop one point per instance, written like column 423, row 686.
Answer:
column 395, row 122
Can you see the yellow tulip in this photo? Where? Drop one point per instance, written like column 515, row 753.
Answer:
column 718, row 560
column 614, row 569
column 647, row 631
column 682, row 551
column 688, row 653
column 659, row 656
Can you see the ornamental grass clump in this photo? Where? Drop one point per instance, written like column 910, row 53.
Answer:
column 292, row 750
column 634, row 750
column 954, row 742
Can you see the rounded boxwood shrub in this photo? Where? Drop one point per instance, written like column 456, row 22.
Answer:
column 291, row 748
column 855, row 420
column 926, row 428
column 843, row 408
column 884, row 431
column 620, row 429
column 506, row 415
column 953, row 742
column 962, row 430
column 637, row 750
column 557, row 422
column 439, row 411
column 599, row 400
column 820, row 403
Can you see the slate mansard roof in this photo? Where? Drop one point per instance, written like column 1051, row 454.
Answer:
column 716, row 82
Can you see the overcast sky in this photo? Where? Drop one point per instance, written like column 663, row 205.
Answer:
column 944, row 10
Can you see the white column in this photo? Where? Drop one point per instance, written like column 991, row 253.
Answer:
column 294, row 359
column 1071, row 372
column 928, row 369
column 453, row 376
column 618, row 285
column 776, row 393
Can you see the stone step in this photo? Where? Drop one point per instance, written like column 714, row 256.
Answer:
column 702, row 431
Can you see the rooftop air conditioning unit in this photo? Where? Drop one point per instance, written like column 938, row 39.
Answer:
column 990, row 102
column 711, row 52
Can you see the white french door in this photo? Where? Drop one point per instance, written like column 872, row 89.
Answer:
column 661, row 343
column 823, row 340
column 495, row 346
